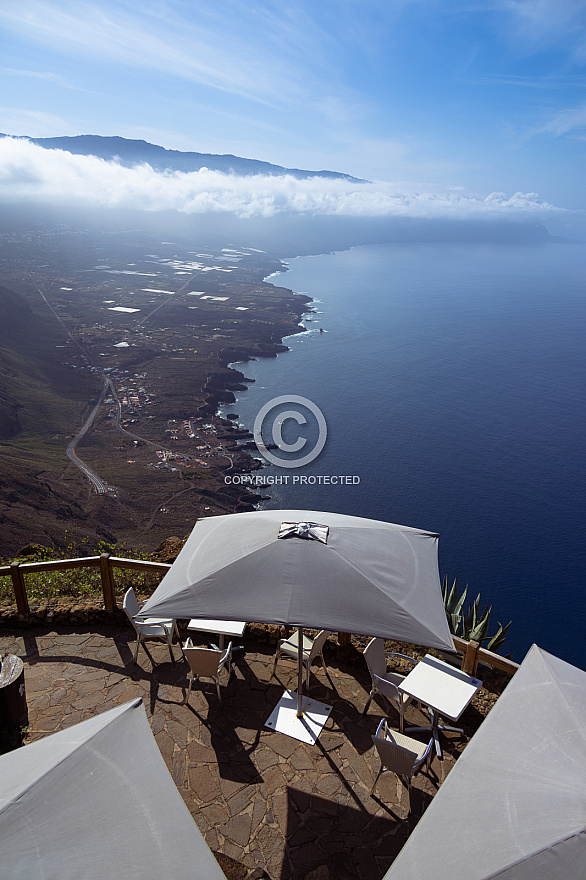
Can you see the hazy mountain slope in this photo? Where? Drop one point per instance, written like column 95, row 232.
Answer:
column 131, row 152
column 16, row 314
column 38, row 398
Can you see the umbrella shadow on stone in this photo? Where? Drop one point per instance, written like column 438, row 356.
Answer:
column 232, row 754
column 125, row 666
column 350, row 724
column 163, row 678
column 346, row 838
column 125, row 645
column 420, row 801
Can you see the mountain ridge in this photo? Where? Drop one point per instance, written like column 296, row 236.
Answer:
column 136, row 152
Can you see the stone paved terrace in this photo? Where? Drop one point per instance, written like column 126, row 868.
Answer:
column 260, row 798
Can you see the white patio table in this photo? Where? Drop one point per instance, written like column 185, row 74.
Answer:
column 444, row 690
column 222, row 628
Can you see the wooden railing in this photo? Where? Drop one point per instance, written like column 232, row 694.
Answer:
column 472, row 652
column 106, row 563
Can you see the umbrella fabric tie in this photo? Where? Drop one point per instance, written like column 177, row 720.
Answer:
column 309, row 530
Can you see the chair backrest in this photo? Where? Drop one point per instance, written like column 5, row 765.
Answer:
column 204, row 661
column 318, row 643
column 396, row 758
column 385, row 687
column 374, row 654
column 130, row 604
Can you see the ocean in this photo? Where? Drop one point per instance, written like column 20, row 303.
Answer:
column 451, row 381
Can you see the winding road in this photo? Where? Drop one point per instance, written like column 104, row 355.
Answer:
column 97, row 482
column 99, row 485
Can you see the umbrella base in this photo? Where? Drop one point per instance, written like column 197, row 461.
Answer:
column 307, row 729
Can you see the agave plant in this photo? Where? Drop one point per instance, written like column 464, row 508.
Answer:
column 468, row 623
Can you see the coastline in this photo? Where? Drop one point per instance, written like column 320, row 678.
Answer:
column 221, row 388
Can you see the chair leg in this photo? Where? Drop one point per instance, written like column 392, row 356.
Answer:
column 275, row 663
column 218, row 690
column 368, row 702
column 171, row 652
column 135, row 658
column 191, row 676
column 376, row 779
column 428, row 761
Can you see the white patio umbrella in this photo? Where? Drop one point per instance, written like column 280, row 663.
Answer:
column 96, row 800
column 309, row 568
column 514, row 805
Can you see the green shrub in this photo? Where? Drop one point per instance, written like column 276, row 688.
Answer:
column 467, row 623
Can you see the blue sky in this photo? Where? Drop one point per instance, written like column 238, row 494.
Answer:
column 426, row 95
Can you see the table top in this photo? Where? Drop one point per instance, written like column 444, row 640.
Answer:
column 221, row 627
column 439, row 685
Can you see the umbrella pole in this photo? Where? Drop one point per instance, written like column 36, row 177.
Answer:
column 299, row 671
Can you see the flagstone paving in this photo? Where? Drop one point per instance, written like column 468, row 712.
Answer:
column 259, row 797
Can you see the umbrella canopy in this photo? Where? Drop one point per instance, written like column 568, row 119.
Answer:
column 514, row 806
column 342, row 573
column 96, row 800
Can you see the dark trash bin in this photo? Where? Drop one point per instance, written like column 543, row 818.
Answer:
column 13, row 707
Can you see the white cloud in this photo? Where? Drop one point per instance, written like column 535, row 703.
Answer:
column 218, row 48
column 29, row 122
column 29, row 173
column 543, row 23
column 566, row 122
column 34, row 74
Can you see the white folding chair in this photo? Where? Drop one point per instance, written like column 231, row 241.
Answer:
column 311, row 650
column 402, row 754
column 383, row 682
column 207, row 663
column 152, row 627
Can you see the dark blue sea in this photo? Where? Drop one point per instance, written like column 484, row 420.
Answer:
column 452, row 382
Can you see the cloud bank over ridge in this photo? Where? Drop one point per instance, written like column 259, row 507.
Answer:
column 32, row 174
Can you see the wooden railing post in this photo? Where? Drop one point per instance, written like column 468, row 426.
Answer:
column 470, row 660
column 107, row 582
column 19, row 588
